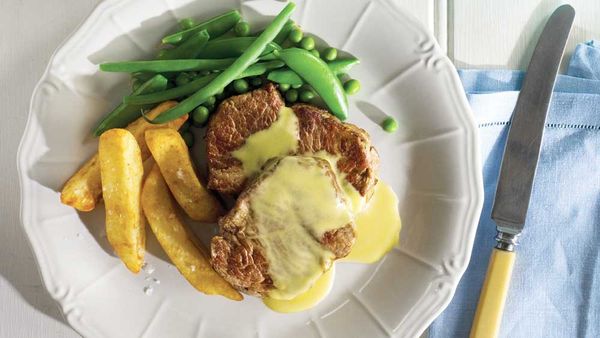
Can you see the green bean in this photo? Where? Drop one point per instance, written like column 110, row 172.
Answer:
column 330, row 54
column 164, row 66
column 216, row 27
column 125, row 113
column 172, row 93
column 231, row 47
column 389, row 124
column 232, row 72
column 352, row 86
column 242, row 28
column 200, row 116
column 189, row 49
column 307, row 43
column 317, row 74
column 296, row 35
column 186, row 23
column 291, row 95
column 188, row 138
column 240, row 86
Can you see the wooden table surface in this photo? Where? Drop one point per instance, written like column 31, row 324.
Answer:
column 475, row 34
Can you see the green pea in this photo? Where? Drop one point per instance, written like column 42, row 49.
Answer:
column 200, row 116
column 210, row 101
column 291, row 95
column 284, row 87
column 306, row 95
column 240, row 86
column 296, row 86
column 183, row 79
column 296, row 35
column 352, row 86
column 188, row 137
column 205, row 73
column 389, row 124
column 186, row 23
column 242, row 28
column 315, row 52
column 307, row 43
column 330, row 54
column 256, row 82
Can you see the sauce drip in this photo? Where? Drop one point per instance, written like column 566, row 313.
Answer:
column 377, row 227
column 306, row 300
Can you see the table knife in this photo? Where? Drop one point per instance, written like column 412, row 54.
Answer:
column 517, row 171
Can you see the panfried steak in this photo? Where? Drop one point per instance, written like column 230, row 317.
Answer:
column 239, row 256
column 241, row 116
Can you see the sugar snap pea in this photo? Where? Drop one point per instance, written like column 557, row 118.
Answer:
column 189, row 49
column 288, row 76
column 232, row 72
column 125, row 113
column 165, row 66
column 261, row 68
column 231, row 47
column 216, row 27
column 317, row 74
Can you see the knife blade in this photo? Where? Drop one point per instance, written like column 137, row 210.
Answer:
column 521, row 153
column 519, row 164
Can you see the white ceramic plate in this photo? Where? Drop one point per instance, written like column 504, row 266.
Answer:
column 431, row 162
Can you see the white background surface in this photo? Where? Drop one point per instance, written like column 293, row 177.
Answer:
column 475, row 33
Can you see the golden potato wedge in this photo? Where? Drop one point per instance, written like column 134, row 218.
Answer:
column 121, row 171
column 84, row 190
column 173, row 158
column 180, row 244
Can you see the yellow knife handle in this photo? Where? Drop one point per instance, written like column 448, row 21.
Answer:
column 488, row 317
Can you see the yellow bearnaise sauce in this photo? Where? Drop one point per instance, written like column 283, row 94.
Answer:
column 377, row 222
column 293, row 208
column 279, row 139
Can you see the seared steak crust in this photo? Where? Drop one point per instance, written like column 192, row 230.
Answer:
column 238, row 256
column 240, row 116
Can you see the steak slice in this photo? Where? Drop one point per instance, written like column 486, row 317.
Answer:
column 240, row 116
column 237, row 253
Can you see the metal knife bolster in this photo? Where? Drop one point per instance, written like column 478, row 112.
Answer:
column 508, row 234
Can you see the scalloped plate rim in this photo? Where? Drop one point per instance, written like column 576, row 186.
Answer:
column 476, row 200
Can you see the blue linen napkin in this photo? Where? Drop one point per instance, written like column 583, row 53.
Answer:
column 555, row 287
